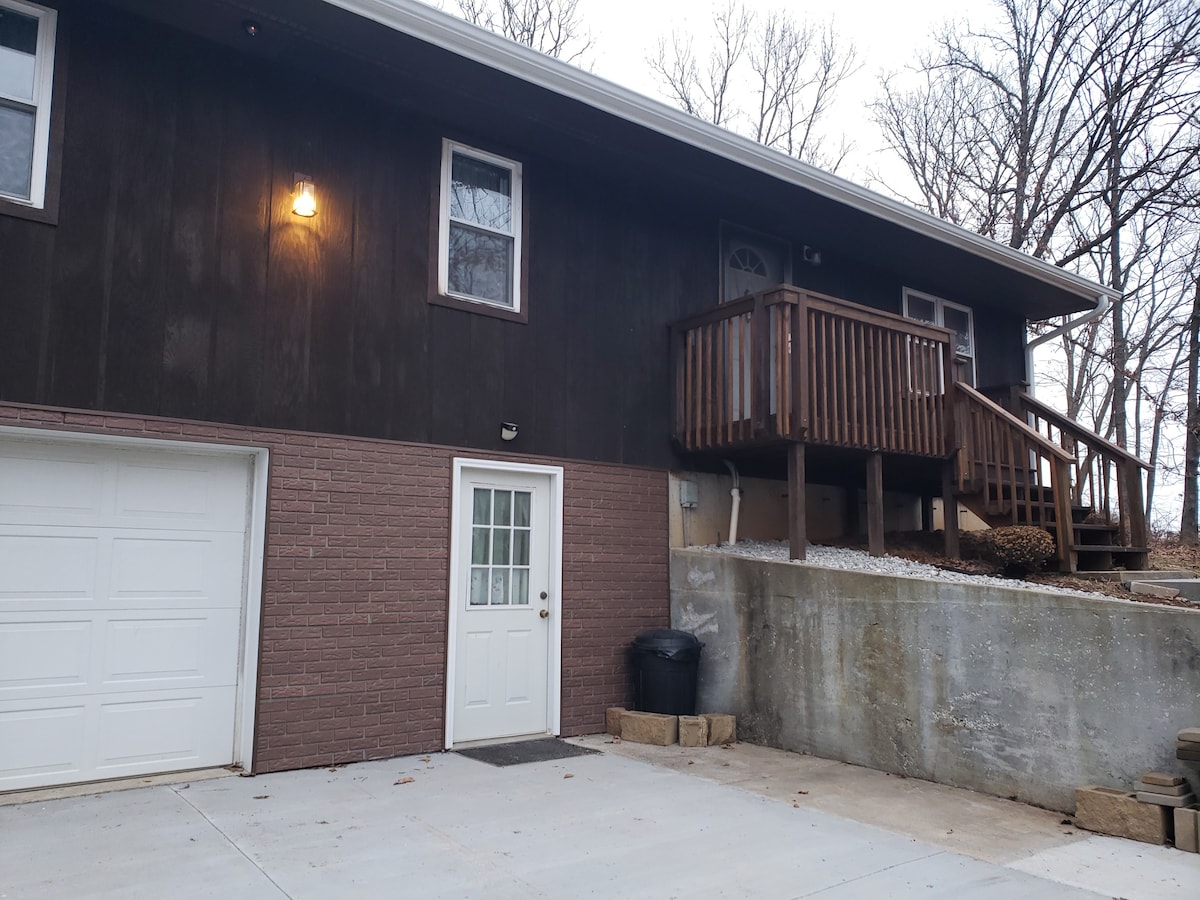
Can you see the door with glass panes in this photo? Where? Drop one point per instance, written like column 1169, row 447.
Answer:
column 502, row 635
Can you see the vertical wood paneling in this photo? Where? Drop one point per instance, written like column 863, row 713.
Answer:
column 190, row 283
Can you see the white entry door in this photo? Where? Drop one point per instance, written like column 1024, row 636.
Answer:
column 503, row 678
column 123, row 576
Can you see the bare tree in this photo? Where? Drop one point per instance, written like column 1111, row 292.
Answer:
column 770, row 77
column 555, row 27
column 1189, row 525
column 1071, row 104
column 1072, row 132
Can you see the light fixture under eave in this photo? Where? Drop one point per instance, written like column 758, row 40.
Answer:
column 508, row 431
column 304, row 197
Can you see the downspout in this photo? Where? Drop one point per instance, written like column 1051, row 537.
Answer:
column 1103, row 304
column 736, row 494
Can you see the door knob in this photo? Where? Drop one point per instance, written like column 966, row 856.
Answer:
column 545, row 614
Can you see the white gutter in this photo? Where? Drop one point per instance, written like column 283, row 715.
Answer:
column 460, row 37
column 1103, row 305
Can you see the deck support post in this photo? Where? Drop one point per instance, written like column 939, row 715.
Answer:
column 797, row 526
column 950, row 509
column 875, row 504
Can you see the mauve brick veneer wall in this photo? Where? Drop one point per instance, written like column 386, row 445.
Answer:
column 354, row 605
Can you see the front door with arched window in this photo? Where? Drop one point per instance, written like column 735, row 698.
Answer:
column 750, row 262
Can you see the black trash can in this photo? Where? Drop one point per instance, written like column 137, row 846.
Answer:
column 665, row 663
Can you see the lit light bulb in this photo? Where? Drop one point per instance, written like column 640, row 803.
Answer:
column 304, row 198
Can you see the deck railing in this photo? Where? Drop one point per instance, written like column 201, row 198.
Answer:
column 788, row 364
column 1104, row 477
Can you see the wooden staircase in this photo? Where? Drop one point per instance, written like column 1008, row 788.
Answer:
column 1041, row 468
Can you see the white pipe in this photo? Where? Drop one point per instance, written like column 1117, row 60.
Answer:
column 733, row 514
column 1103, row 304
column 736, row 494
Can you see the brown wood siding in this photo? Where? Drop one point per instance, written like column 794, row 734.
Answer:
column 177, row 282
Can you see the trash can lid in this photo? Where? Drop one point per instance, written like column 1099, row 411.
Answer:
column 667, row 642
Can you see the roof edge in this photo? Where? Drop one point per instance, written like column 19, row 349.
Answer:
column 459, row 36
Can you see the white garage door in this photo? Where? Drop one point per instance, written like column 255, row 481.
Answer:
column 121, row 609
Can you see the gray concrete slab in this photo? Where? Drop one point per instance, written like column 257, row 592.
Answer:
column 604, row 825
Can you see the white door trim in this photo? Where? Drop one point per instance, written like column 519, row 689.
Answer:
column 554, row 603
column 247, row 689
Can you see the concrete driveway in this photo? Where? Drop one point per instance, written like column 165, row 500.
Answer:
column 605, row 825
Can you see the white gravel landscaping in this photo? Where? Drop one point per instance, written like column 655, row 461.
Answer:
column 861, row 561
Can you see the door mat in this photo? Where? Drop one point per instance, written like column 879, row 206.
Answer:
column 518, row 752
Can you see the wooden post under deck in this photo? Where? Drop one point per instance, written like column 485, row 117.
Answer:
column 950, row 510
column 875, row 504
column 797, row 526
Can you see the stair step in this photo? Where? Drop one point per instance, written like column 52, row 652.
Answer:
column 1107, row 548
column 1086, row 526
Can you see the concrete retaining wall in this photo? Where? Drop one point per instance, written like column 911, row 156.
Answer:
column 1006, row 691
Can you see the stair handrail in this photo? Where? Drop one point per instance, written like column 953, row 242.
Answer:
column 1058, row 460
column 1086, row 435
column 996, row 409
column 1131, row 512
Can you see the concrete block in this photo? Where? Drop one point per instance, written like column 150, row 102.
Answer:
column 1189, row 734
column 693, row 731
column 722, row 729
column 649, row 728
column 1110, row 811
column 1187, row 750
column 1187, row 830
column 1162, row 800
column 1154, row 590
column 1159, row 778
column 612, row 720
column 1175, row 790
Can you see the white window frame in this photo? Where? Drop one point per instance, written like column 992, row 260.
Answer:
column 449, row 148
column 939, row 307
column 43, row 88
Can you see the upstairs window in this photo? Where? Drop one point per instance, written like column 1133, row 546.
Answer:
column 936, row 311
column 26, row 80
column 479, row 258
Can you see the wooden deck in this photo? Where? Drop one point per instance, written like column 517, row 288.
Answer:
column 792, row 372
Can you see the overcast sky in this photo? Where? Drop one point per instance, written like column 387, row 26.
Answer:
column 888, row 36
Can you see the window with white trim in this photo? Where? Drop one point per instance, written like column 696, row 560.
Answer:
column 26, row 80
column 479, row 252
column 959, row 319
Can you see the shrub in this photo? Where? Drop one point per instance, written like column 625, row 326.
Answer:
column 1017, row 549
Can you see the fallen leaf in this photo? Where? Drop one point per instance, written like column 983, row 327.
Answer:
column 404, row 781
column 262, row 796
column 424, row 759
column 801, row 792
column 568, row 775
column 691, row 762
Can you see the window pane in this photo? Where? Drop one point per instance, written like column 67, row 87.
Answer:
column 16, row 152
column 521, row 509
column 479, row 580
column 481, row 193
column 958, row 321
column 503, row 507
column 499, row 587
column 18, row 49
column 501, row 546
column 480, row 265
column 479, row 546
column 482, row 514
column 520, row 587
column 520, row 548
column 921, row 309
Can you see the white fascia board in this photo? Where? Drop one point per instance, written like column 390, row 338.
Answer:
column 472, row 42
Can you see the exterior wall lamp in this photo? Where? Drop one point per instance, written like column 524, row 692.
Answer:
column 304, row 196
column 508, row 431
